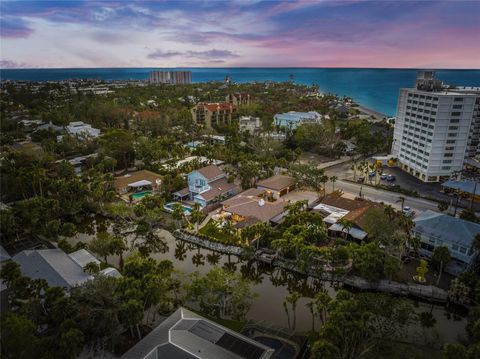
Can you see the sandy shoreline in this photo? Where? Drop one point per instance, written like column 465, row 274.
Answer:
column 370, row 112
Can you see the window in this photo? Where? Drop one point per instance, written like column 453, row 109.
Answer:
column 458, row 99
column 454, row 120
column 445, row 167
column 451, row 148
column 447, row 161
column 451, row 141
column 456, row 113
column 452, row 134
column 453, row 128
column 457, row 107
column 448, row 155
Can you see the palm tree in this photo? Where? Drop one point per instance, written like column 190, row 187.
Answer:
column 196, row 215
column 346, row 226
column 333, row 179
column 442, row 256
column 389, row 211
column 321, row 301
column 178, row 213
column 292, row 299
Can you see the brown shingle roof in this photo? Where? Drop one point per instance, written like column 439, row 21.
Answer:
column 338, row 201
column 122, row 182
column 277, row 182
column 210, row 172
column 247, row 204
column 218, row 188
column 357, row 208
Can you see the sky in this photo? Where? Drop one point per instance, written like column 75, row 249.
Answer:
column 240, row 33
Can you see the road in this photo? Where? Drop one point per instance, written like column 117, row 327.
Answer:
column 343, row 171
column 417, row 204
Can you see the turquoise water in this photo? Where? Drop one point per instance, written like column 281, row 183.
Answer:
column 186, row 210
column 374, row 88
column 141, row 194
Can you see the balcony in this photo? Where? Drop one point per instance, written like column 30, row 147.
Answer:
column 198, row 188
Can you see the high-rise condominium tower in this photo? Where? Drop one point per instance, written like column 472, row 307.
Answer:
column 436, row 128
column 170, row 77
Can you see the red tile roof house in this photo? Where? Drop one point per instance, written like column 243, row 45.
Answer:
column 277, row 186
column 207, row 185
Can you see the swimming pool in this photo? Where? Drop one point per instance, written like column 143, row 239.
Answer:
column 186, row 209
column 283, row 349
column 139, row 195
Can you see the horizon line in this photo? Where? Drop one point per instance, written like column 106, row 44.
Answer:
column 244, row 67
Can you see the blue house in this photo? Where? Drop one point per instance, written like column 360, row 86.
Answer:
column 207, row 185
column 438, row 229
column 291, row 120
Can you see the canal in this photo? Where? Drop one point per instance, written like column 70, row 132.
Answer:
column 273, row 285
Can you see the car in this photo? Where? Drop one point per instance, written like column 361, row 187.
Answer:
column 361, row 179
column 372, row 174
column 390, row 178
column 408, row 211
column 383, row 176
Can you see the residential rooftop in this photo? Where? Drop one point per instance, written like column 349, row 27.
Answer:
column 186, row 335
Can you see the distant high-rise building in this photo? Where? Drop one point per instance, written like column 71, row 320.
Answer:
column 170, row 77
column 437, row 127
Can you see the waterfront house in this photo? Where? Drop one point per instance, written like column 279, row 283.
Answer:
column 207, row 185
column 252, row 206
column 334, row 207
column 185, row 332
column 292, row 119
column 277, row 186
column 135, row 185
column 437, row 229
column 52, row 265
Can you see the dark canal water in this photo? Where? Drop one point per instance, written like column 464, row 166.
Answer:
column 273, row 285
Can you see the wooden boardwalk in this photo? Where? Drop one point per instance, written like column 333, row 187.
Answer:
column 427, row 292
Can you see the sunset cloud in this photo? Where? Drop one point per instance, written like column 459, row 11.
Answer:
column 241, row 33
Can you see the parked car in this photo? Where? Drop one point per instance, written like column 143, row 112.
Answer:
column 390, row 178
column 408, row 211
column 383, row 176
column 371, row 174
column 361, row 179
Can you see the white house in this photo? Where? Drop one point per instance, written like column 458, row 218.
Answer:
column 293, row 119
column 79, row 128
column 249, row 124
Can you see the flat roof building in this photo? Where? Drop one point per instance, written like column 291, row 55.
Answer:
column 437, row 127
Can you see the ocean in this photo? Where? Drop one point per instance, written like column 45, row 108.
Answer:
column 373, row 88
